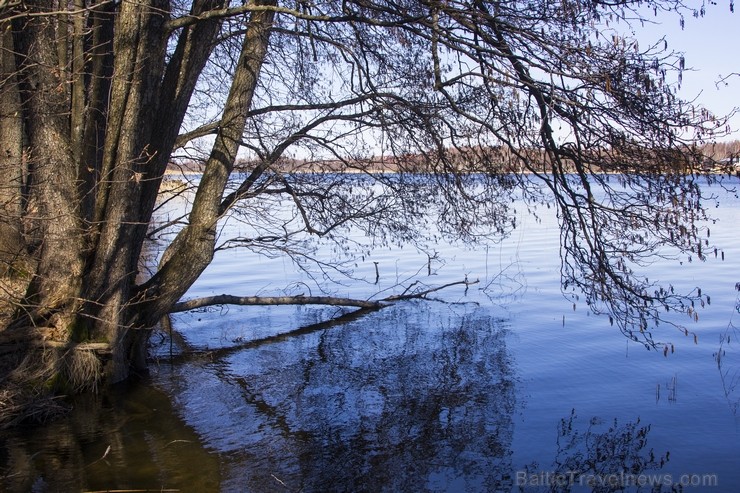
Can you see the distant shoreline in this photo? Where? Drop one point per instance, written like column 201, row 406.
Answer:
column 170, row 173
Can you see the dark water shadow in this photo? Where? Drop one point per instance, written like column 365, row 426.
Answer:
column 128, row 439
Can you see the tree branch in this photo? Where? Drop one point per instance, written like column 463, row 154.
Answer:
column 202, row 131
column 423, row 294
column 227, row 299
column 251, row 7
column 244, row 9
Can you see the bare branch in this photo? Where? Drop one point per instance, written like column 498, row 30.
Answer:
column 244, row 9
column 9, row 4
column 226, row 299
column 424, row 293
column 202, row 131
column 723, row 80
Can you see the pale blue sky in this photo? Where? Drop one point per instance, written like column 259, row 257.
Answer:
column 712, row 47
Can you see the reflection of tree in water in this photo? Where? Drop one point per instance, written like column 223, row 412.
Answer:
column 728, row 368
column 125, row 440
column 599, row 461
column 396, row 402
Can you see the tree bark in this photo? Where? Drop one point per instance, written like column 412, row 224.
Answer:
column 139, row 49
column 56, row 286
column 11, row 156
column 226, row 299
column 100, row 127
column 192, row 250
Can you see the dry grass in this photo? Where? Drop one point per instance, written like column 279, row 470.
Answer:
column 34, row 376
column 24, row 368
column 82, row 369
column 40, row 365
column 18, row 405
column 25, row 395
column 11, row 291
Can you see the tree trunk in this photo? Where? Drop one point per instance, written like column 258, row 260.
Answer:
column 116, row 240
column 102, row 106
column 148, row 104
column 192, row 250
column 55, row 288
column 99, row 71
column 11, row 158
column 137, row 145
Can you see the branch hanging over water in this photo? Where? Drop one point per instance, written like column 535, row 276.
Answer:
column 226, row 299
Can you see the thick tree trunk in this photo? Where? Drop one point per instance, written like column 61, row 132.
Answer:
column 139, row 48
column 102, row 107
column 11, row 158
column 148, row 104
column 192, row 250
column 55, row 289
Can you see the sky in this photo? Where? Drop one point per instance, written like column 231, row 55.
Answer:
column 711, row 47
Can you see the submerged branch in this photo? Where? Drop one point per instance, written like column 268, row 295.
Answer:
column 227, row 299
column 365, row 307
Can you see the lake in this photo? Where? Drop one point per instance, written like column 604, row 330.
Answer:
column 505, row 385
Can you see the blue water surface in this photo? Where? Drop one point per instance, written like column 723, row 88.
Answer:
column 503, row 385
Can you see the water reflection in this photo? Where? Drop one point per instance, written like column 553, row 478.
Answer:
column 726, row 358
column 600, row 457
column 128, row 439
column 397, row 401
column 405, row 399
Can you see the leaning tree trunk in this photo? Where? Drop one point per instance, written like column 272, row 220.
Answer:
column 193, row 248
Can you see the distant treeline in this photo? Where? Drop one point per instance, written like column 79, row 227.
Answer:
column 723, row 151
column 719, row 156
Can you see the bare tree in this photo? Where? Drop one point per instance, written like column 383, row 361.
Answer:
column 465, row 101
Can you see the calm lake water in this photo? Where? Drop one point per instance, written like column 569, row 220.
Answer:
column 507, row 388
